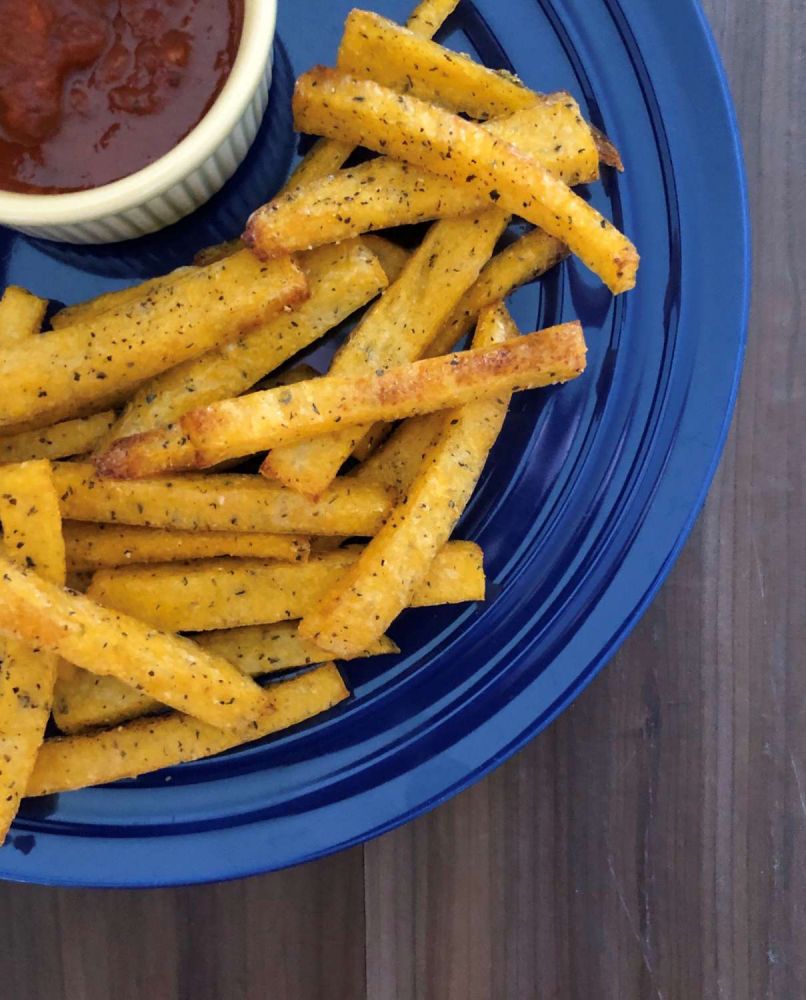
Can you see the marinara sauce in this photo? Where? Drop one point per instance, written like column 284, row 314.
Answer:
column 93, row 90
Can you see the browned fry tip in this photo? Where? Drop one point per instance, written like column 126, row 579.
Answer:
column 608, row 152
column 121, row 459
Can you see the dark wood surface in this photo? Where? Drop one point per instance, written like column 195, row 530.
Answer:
column 652, row 843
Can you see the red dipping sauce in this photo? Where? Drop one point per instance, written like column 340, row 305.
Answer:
column 94, row 90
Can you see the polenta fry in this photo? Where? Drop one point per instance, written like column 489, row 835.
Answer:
column 71, row 437
column 383, row 192
column 32, row 536
column 397, row 329
column 87, row 700
column 21, row 315
column 329, row 102
column 168, row 448
column 56, row 375
column 428, row 17
column 219, row 503
column 27, row 677
column 101, row 546
column 378, row 49
column 366, row 599
column 340, row 280
column 266, row 649
column 83, row 312
column 262, row 420
column 398, row 460
column 223, row 594
column 375, row 48
column 170, row 669
column 392, row 257
column 32, row 523
column 323, row 158
column 527, row 258
column 379, row 194
column 145, row 745
column 554, row 133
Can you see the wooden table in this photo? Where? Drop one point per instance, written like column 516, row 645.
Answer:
column 652, row 843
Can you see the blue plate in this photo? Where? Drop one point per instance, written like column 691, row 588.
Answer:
column 587, row 499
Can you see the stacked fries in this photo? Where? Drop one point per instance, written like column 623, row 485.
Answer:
column 192, row 580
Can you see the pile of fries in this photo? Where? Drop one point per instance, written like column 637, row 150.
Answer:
column 145, row 583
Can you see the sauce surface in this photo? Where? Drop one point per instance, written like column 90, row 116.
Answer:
column 93, row 90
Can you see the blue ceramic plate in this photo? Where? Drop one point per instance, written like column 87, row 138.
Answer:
column 587, row 499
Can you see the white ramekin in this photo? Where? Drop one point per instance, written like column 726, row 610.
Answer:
column 180, row 181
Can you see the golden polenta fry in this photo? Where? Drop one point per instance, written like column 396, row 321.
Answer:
column 398, row 328
column 219, row 503
column 101, row 546
column 55, row 376
column 375, row 48
column 392, row 257
column 527, row 258
column 383, row 192
column 32, row 536
column 166, row 448
column 21, row 315
column 266, row 649
column 32, row 524
column 328, row 102
column 555, row 133
column 148, row 453
column 378, row 194
column 365, row 600
column 397, row 461
column 83, row 312
column 86, row 700
column 222, row 594
column 325, row 157
column 145, row 745
column 262, row 420
column 171, row 669
column 63, row 440
column 340, row 280
column 428, row 17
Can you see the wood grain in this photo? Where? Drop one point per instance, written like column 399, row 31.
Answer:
column 652, row 843
column 298, row 933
